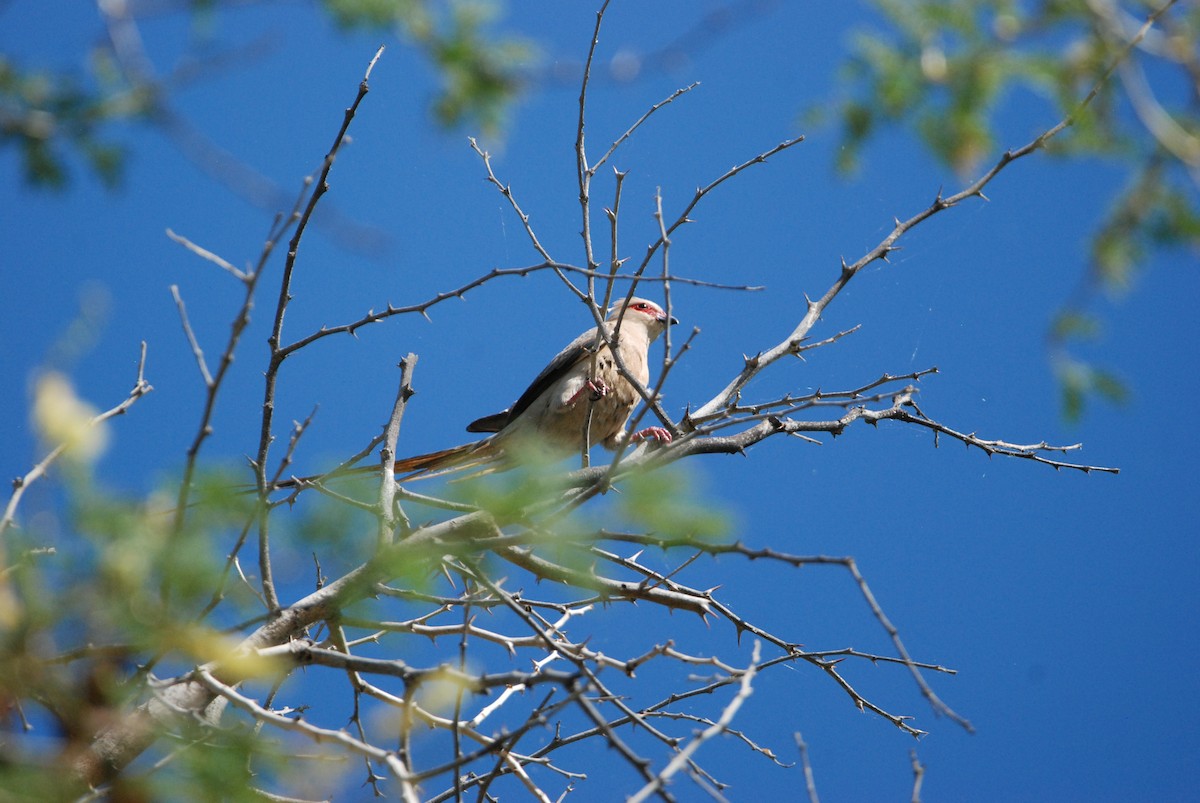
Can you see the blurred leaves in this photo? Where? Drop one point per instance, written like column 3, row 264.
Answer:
column 61, row 417
column 480, row 72
column 46, row 116
column 665, row 502
column 531, row 480
column 945, row 70
column 1080, row 381
column 55, row 117
column 88, row 615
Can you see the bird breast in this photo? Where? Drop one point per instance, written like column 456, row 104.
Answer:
column 570, row 412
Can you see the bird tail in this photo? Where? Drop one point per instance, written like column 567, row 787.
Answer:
column 416, row 467
column 469, row 454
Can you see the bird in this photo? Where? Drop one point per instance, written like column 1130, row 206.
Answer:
column 579, row 399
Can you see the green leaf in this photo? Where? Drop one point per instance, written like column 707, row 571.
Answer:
column 665, row 502
column 1072, row 324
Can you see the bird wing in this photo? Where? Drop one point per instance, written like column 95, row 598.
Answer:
column 559, row 367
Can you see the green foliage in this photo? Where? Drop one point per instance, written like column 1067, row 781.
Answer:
column 217, row 765
column 531, row 480
column 480, row 72
column 1071, row 324
column 45, row 116
column 480, row 78
column 412, row 14
column 666, row 503
column 945, row 69
column 85, row 608
column 1157, row 211
column 53, row 118
column 1079, row 381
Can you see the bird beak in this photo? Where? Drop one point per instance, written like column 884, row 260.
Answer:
column 674, row 321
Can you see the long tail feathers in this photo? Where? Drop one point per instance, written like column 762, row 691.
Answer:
column 420, row 466
column 469, row 454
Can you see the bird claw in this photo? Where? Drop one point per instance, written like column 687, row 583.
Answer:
column 596, row 389
column 660, row 434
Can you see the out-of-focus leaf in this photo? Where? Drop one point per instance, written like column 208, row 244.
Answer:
column 54, row 120
column 1073, row 383
column 377, row 13
column 1079, row 380
column 47, row 115
column 480, row 71
column 665, row 502
column 1110, row 387
column 1074, row 324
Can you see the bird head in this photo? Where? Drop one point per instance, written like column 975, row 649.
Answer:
column 644, row 312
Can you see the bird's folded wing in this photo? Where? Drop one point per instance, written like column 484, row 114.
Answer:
column 558, row 368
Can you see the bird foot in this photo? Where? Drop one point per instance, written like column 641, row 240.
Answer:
column 660, row 434
column 596, row 388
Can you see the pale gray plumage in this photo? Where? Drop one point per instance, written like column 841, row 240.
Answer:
column 580, row 396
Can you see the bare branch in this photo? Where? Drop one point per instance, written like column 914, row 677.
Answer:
column 918, row 776
column 507, row 192
column 630, row 131
column 205, row 254
column 810, row 785
column 677, row 763
column 387, row 468
column 278, row 355
column 191, row 338
column 320, row 735
column 140, row 388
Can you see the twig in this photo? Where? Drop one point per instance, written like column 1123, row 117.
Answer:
column 918, row 776
column 810, row 784
column 745, row 689
column 320, row 735
column 422, row 308
column 507, row 192
column 205, row 254
column 630, row 131
column 387, row 468
column 274, row 342
column 197, row 352
column 583, row 172
column 140, row 388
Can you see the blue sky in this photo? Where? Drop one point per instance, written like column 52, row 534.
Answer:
column 1061, row 599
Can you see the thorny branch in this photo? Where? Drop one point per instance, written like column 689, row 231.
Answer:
column 754, row 365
